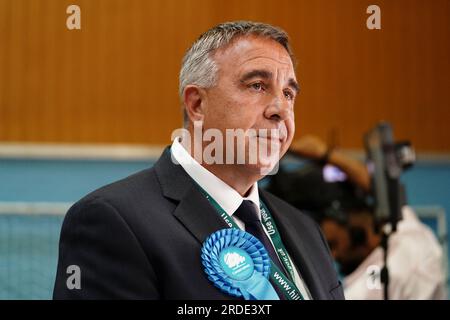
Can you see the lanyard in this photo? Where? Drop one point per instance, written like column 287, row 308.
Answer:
column 287, row 286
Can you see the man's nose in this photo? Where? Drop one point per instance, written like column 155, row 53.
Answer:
column 278, row 108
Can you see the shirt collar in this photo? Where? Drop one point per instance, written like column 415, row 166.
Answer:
column 228, row 198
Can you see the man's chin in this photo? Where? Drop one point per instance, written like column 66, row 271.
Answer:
column 264, row 167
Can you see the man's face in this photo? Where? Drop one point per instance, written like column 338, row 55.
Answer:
column 255, row 89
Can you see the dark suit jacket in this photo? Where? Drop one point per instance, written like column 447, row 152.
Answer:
column 140, row 238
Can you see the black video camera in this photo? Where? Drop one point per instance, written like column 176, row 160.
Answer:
column 386, row 160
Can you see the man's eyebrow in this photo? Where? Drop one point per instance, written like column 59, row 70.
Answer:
column 256, row 74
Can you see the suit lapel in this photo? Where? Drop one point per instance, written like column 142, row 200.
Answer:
column 297, row 250
column 198, row 215
column 193, row 210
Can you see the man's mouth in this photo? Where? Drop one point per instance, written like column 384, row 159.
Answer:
column 270, row 139
column 270, row 134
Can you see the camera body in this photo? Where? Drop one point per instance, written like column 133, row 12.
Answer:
column 386, row 160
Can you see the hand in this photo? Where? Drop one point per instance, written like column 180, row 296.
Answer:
column 309, row 146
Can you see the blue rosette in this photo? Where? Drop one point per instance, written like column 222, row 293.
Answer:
column 238, row 264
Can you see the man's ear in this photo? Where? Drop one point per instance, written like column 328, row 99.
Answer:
column 194, row 102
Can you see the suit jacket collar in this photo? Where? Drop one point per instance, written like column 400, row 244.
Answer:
column 193, row 210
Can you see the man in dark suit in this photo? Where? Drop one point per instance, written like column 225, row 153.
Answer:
column 141, row 237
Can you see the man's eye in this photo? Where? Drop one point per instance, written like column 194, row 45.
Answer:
column 257, row 86
column 289, row 95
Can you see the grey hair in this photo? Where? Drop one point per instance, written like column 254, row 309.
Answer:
column 199, row 68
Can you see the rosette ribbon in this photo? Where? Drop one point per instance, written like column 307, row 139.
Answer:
column 238, row 264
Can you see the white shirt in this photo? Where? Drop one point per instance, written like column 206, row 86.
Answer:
column 415, row 264
column 228, row 198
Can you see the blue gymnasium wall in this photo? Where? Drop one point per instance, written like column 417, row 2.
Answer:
column 27, row 269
